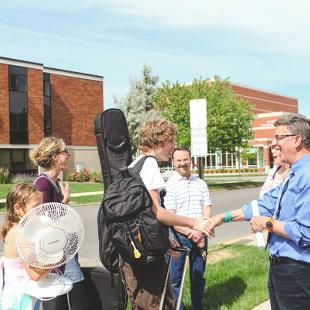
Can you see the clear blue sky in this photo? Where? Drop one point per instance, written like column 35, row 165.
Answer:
column 264, row 43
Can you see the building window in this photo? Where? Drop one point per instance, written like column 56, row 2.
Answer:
column 47, row 105
column 18, row 82
column 18, row 102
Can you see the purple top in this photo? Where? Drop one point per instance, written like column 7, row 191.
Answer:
column 50, row 191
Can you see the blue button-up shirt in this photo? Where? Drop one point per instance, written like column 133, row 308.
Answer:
column 295, row 213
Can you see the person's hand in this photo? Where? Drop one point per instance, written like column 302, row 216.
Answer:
column 258, row 223
column 173, row 244
column 216, row 220
column 205, row 226
column 65, row 191
column 195, row 235
column 201, row 243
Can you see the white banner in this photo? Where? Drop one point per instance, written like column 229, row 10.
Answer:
column 198, row 123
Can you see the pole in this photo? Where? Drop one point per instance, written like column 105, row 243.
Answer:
column 200, row 168
column 163, row 296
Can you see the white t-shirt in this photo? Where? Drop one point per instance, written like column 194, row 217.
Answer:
column 150, row 173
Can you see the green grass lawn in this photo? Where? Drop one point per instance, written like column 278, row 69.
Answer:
column 86, row 199
column 216, row 186
column 234, row 283
column 4, row 189
column 237, row 282
column 85, row 187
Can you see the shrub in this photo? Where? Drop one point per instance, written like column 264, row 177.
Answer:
column 68, row 177
column 94, row 177
column 4, row 175
column 84, row 176
column 22, row 177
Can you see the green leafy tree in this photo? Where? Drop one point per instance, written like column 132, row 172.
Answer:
column 138, row 105
column 229, row 117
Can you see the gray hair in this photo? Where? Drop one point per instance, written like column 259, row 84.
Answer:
column 298, row 125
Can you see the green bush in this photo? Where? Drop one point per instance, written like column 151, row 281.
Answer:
column 4, row 175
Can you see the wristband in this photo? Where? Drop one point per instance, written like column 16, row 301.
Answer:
column 227, row 216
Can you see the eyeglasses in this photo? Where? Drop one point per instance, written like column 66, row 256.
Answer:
column 280, row 137
column 65, row 151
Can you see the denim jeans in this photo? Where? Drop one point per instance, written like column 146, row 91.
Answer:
column 197, row 269
column 289, row 286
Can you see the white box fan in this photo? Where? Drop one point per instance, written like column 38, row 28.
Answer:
column 47, row 237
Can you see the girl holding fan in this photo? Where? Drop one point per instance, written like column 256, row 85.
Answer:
column 13, row 270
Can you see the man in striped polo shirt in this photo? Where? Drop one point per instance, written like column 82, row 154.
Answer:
column 188, row 195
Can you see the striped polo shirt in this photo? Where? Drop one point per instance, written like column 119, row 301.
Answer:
column 187, row 196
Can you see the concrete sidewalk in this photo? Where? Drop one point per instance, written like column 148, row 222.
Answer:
column 264, row 306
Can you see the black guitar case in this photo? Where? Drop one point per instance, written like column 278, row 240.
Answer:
column 114, row 150
column 113, row 143
column 106, row 290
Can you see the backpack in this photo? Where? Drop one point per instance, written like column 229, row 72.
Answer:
column 129, row 222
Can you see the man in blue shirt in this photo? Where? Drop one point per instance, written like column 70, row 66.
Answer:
column 285, row 213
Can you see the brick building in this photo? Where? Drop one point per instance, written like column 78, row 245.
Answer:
column 267, row 107
column 38, row 101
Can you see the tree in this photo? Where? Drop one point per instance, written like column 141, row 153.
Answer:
column 229, row 117
column 138, row 105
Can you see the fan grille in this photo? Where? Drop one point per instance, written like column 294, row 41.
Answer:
column 49, row 235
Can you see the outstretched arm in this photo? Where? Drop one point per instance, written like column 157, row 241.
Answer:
column 219, row 219
column 168, row 218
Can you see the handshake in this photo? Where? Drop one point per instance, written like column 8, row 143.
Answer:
column 207, row 225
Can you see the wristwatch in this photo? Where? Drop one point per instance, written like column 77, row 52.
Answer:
column 269, row 224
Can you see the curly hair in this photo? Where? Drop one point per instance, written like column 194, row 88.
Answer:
column 20, row 193
column 154, row 132
column 42, row 154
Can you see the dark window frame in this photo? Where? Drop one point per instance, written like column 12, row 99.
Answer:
column 18, row 104
column 47, row 92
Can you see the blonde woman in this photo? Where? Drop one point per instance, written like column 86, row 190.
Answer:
column 52, row 155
